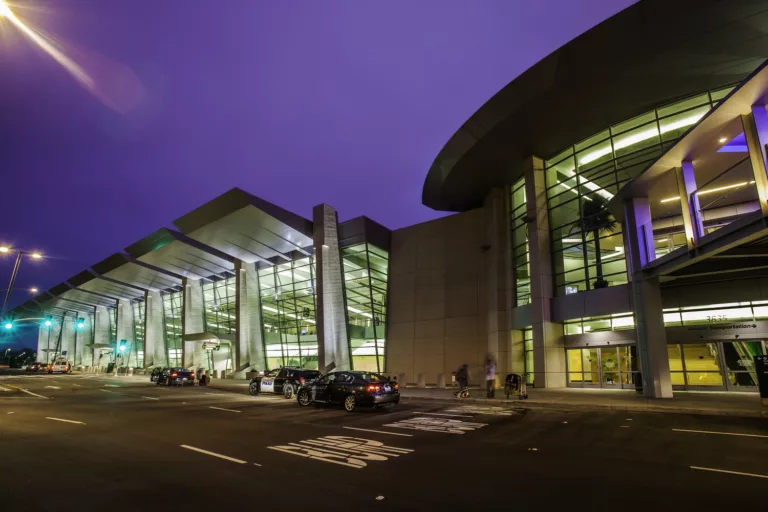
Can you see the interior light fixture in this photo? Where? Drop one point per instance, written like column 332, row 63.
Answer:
column 712, row 190
column 722, row 140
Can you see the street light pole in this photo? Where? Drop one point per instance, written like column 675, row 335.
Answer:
column 13, row 279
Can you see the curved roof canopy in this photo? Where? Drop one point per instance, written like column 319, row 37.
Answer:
column 653, row 52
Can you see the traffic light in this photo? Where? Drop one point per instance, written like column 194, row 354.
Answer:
column 122, row 345
column 8, row 325
column 80, row 323
column 47, row 322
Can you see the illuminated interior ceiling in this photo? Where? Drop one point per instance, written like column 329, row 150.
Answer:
column 176, row 253
column 637, row 60
column 248, row 228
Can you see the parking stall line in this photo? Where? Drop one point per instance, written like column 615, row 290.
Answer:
column 213, row 454
column 223, row 409
column 379, row 431
column 451, row 415
column 150, row 398
column 739, row 473
column 27, row 391
column 718, row 433
column 65, row 421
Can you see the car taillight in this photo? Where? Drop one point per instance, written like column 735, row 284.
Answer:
column 301, row 380
column 174, row 375
column 374, row 388
column 397, row 386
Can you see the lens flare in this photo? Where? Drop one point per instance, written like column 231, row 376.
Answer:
column 5, row 10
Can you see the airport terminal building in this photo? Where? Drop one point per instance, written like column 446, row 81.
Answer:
column 610, row 230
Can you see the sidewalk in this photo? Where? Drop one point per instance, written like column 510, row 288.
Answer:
column 684, row 402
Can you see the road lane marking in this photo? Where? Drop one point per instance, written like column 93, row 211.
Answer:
column 451, row 415
column 65, row 421
column 108, row 391
column 718, row 433
column 488, row 411
column 212, row 454
column 353, row 452
column 27, row 391
column 379, row 431
column 150, row 398
column 223, row 409
column 111, row 386
column 53, row 387
column 10, row 412
column 256, row 464
column 729, row 472
column 443, row 425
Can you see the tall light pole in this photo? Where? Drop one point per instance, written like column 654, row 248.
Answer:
column 5, row 250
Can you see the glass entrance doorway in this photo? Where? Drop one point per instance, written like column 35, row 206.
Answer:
column 718, row 366
column 602, row 367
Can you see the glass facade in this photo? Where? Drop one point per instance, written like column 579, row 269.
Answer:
column 288, row 313
column 605, row 367
column 587, row 242
column 138, row 334
column 520, row 249
column 615, row 322
column 365, row 280
column 172, row 308
column 219, row 303
column 719, row 365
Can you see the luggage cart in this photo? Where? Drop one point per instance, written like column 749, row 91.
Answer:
column 514, row 385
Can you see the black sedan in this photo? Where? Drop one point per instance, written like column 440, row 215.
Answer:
column 37, row 367
column 351, row 389
column 177, row 376
column 283, row 381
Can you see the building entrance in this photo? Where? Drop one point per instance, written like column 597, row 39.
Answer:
column 602, row 367
column 715, row 366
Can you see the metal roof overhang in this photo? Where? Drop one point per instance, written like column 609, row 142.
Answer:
column 176, row 253
column 702, row 140
column 122, row 269
column 89, row 282
column 653, row 52
column 248, row 228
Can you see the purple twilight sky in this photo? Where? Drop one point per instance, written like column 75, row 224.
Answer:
column 298, row 102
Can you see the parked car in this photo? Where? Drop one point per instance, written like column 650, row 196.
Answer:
column 283, row 381
column 176, row 376
column 36, row 367
column 60, row 366
column 351, row 389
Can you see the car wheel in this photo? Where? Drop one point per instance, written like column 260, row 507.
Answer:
column 288, row 391
column 253, row 389
column 350, row 403
column 304, row 398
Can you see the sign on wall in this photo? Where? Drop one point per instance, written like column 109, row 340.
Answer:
column 718, row 330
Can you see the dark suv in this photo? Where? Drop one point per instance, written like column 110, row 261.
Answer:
column 284, row 381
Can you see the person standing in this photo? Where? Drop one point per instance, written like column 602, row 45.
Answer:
column 490, row 376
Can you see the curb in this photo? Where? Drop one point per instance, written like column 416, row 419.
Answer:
column 559, row 406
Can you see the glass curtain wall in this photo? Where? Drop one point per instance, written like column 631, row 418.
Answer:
column 219, row 302
column 138, row 334
column 112, row 314
column 520, row 245
column 172, row 304
column 365, row 281
column 288, row 313
column 615, row 322
column 587, row 242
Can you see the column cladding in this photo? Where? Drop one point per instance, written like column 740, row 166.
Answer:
column 755, row 126
column 646, row 302
column 332, row 333
column 125, row 329
column 83, row 353
column 249, row 345
column 192, row 321
column 42, row 343
column 68, row 337
column 548, row 339
column 155, row 353
column 100, row 335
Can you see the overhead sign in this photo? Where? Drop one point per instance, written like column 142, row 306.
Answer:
column 718, row 331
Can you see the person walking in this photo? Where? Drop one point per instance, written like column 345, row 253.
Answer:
column 490, row 376
column 462, row 377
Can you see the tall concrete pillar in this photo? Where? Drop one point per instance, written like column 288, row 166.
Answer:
column 499, row 288
column 755, row 126
column 155, row 351
column 332, row 332
column 68, row 337
column 646, row 302
column 689, row 204
column 101, row 335
column 192, row 321
column 43, row 335
column 548, row 339
column 83, row 338
column 125, row 330
column 249, row 346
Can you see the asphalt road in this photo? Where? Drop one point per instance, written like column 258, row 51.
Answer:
column 108, row 443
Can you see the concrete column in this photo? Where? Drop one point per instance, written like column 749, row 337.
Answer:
column 68, row 337
column 125, row 329
column 689, row 204
column 646, row 302
column 249, row 346
column 155, row 353
column 42, row 342
column 548, row 340
column 499, row 280
column 755, row 127
column 332, row 333
column 192, row 321
column 83, row 353
column 101, row 335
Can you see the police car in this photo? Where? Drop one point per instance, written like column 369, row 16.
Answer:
column 282, row 381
